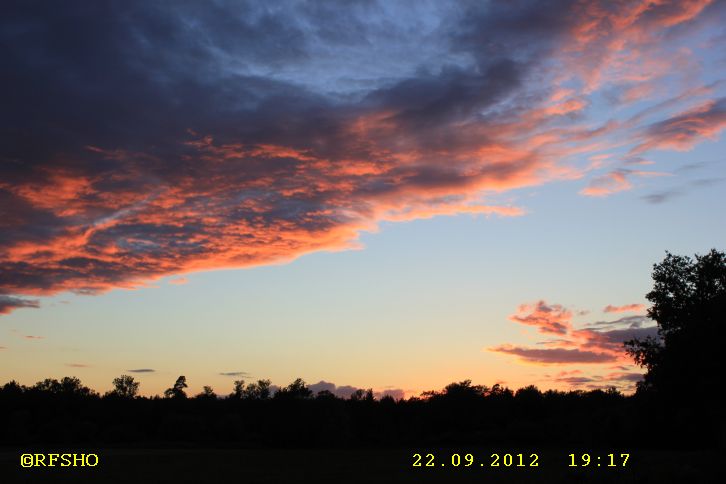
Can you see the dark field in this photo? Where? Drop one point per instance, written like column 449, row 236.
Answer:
column 354, row 466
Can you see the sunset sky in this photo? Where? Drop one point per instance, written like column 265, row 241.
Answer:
column 391, row 195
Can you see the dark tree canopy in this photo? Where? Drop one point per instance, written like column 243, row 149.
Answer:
column 259, row 390
column 177, row 391
column 125, row 387
column 207, row 393
column 238, row 389
column 465, row 390
column 361, row 395
column 295, row 390
column 688, row 304
column 68, row 385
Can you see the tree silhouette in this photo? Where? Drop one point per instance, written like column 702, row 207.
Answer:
column 325, row 395
column 68, row 386
column 361, row 395
column 207, row 393
column 258, row 391
column 295, row 390
column 464, row 390
column 125, row 387
column 13, row 388
column 177, row 391
column 689, row 303
column 49, row 385
column 238, row 389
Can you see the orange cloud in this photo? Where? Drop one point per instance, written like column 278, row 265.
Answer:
column 250, row 205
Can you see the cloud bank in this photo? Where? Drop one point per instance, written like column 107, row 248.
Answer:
column 144, row 140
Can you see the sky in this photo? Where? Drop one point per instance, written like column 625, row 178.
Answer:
column 392, row 195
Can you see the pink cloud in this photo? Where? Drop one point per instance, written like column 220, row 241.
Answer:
column 613, row 182
column 623, row 380
column 612, row 45
column 684, row 130
column 548, row 318
column 599, row 344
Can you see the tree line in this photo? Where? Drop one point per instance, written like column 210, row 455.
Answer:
column 126, row 387
column 66, row 411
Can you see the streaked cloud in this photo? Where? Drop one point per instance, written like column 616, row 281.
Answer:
column 684, row 130
column 554, row 355
column 179, row 281
column 235, row 373
column 635, row 307
column 669, row 194
column 623, row 380
column 636, row 321
column 142, row 370
column 615, row 181
column 188, row 138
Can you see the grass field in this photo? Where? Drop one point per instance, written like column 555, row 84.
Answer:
column 140, row 466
